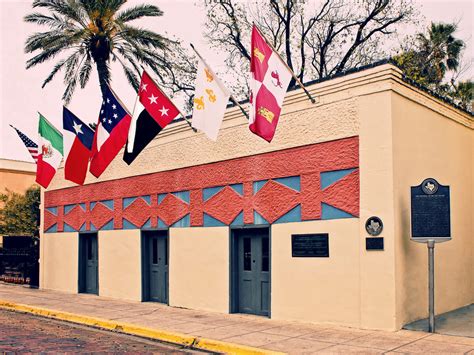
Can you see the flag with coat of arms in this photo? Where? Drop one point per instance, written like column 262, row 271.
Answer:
column 50, row 153
column 210, row 101
column 269, row 79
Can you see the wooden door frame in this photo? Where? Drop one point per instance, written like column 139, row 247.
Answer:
column 233, row 266
column 81, row 281
column 144, row 235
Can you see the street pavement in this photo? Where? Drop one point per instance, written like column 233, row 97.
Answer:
column 259, row 332
column 27, row 333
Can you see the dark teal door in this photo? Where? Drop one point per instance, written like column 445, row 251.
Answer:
column 156, row 266
column 88, row 263
column 253, row 263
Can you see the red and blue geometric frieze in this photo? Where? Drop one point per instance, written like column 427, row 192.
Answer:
column 319, row 181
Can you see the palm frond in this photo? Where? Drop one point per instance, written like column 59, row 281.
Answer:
column 85, row 72
column 69, row 9
column 43, row 56
column 53, row 21
column 138, row 12
column 71, row 86
column 131, row 77
column 55, row 70
column 142, row 37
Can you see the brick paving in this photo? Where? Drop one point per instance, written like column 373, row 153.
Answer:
column 289, row 337
column 27, row 333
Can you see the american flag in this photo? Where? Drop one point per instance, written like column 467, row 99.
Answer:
column 29, row 144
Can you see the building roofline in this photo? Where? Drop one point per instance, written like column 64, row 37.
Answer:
column 362, row 68
column 17, row 165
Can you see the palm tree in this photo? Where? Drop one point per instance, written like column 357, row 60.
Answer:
column 440, row 51
column 92, row 32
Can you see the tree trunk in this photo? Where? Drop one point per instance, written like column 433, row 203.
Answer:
column 104, row 74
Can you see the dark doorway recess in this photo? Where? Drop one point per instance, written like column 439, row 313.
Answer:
column 250, row 271
column 88, row 263
column 155, row 266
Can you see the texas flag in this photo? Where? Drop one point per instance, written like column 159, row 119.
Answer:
column 269, row 79
column 110, row 134
column 77, row 140
column 153, row 111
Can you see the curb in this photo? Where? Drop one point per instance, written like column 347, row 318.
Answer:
column 131, row 329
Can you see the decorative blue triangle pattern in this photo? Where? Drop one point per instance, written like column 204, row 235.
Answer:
column 68, row 228
column 147, row 199
column 239, row 220
column 147, row 224
column 53, row 210
column 293, row 182
column 127, row 201
column 52, row 229
column 109, row 225
column 330, row 212
column 183, row 195
column 128, row 225
column 161, row 224
column 183, row 222
column 210, row 221
column 108, row 203
column 207, row 193
column 293, row 215
column 239, row 188
column 330, row 177
column 68, row 208
column 257, row 185
column 258, row 219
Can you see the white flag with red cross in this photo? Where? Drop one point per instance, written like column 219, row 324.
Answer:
column 269, row 79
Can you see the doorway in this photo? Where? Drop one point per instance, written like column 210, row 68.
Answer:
column 155, row 266
column 88, row 263
column 250, row 271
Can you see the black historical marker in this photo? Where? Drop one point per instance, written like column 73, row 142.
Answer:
column 310, row 245
column 373, row 243
column 430, row 210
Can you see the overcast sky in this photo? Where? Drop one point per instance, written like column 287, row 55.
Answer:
column 21, row 95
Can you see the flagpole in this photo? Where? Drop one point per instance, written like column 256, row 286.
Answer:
column 287, row 66
column 230, row 95
column 181, row 113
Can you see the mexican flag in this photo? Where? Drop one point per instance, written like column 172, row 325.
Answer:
column 50, row 151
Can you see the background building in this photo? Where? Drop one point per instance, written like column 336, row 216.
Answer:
column 209, row 225
column 16, row 176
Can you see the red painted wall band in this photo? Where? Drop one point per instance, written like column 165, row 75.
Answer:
column 272, row 201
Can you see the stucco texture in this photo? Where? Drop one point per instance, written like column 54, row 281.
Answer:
column 322, row 290
column 199, row 268
column 430, row 144
column 59, row 266
column 120, row 264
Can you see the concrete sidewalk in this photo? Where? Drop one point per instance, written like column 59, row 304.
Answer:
column 232, row 330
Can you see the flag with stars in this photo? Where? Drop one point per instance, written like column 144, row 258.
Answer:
column 29, row 144
column 153, row 111
column 77, row 140
column 110, row 134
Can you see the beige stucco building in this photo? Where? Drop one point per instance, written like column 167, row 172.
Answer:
column 16, row 176
column 278, row 230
